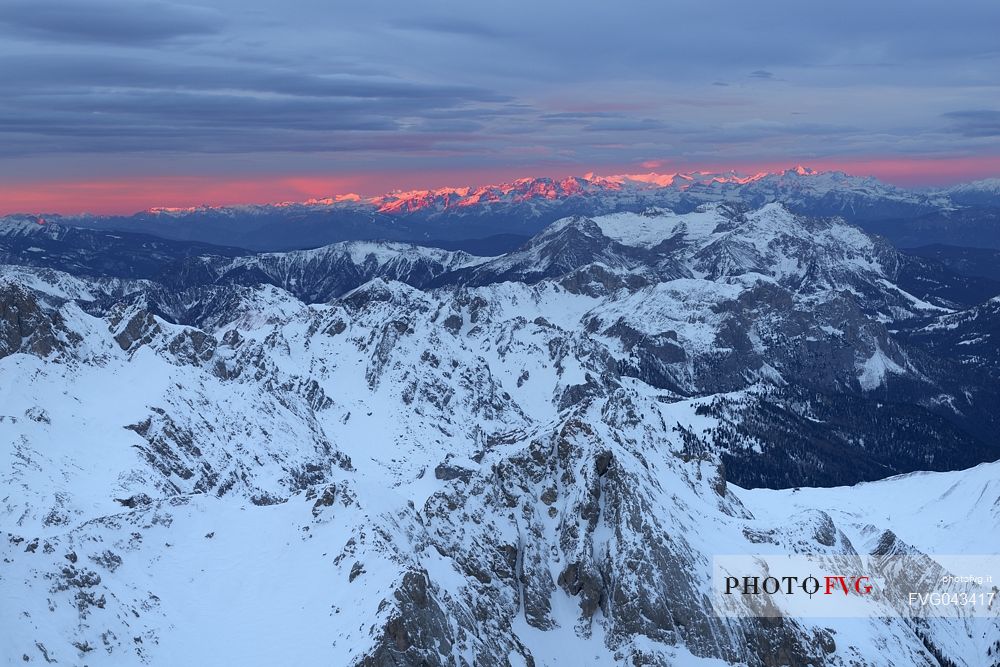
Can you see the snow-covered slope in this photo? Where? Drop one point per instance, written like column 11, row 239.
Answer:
column 380, row 454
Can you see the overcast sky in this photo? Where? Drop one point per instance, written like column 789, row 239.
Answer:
column 133, row 99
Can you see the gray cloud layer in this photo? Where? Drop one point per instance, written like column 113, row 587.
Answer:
column 387, row 84
column 107, row 21
column 976, row 123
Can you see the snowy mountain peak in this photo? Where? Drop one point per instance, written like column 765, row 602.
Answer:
column 801, row 171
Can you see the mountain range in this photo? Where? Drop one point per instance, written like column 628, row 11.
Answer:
column 379, row 453
column 460, row 218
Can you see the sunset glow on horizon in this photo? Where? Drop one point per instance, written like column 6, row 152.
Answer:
column 129, row 195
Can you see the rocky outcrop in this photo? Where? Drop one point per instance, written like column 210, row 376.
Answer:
column 29, row 325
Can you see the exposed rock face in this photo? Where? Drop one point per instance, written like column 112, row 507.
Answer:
column 418, row 632
column 29, row 325
column 521, row 460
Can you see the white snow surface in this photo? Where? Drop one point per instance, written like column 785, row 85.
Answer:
column 289, row 466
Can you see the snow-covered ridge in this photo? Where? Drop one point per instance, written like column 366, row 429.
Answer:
column 653, row 227
column 923, row 508
column 379, row 253
column 986, row 185
column 23, row 225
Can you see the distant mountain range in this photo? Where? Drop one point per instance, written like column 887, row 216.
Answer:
column 965, row 215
